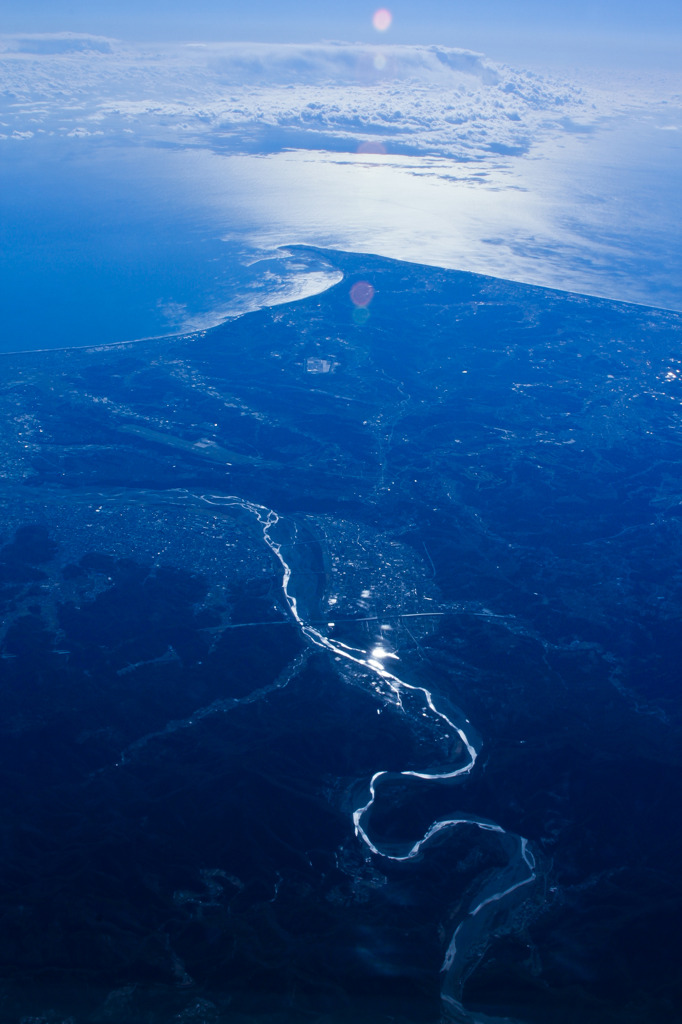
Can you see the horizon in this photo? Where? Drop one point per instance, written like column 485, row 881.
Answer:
column 610, row 35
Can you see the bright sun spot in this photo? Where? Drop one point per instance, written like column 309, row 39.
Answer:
column 379, row 652
column 382, row 19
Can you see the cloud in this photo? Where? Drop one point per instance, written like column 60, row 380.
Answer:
column 56, row 43
column 266, row 98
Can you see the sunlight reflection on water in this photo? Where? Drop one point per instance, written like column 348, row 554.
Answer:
column 121, row 243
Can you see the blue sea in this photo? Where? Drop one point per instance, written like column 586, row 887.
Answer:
column 105, row 243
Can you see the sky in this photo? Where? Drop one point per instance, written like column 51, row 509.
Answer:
column 596, row 31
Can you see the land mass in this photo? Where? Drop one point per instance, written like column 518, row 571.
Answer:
column 474, row 486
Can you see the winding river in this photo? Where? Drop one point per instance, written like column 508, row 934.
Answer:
column 474, row 932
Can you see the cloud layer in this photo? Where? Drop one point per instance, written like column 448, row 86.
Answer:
column 265, row 98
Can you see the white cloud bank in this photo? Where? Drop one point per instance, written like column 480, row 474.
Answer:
column 265, row 98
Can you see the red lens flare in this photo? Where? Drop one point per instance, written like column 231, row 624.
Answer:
column 361, row 294
column 382, row 19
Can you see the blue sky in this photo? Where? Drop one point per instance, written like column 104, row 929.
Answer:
column 603, row 31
